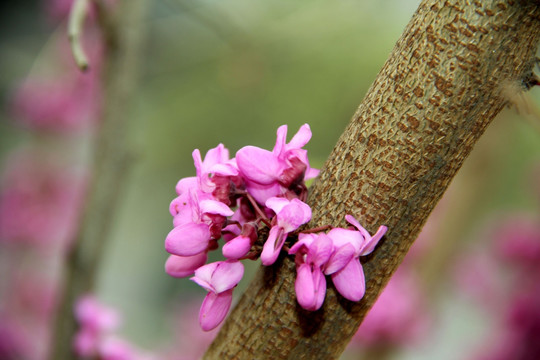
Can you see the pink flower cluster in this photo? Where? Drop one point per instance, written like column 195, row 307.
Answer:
column 336, row 254
column 95, row 339
column 233, row 199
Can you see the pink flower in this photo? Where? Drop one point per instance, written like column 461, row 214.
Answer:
column 280, row 172
column 335, row 254
column 239, row 246
column 192, row 237
column 290, row 215
column 95, row 321
column 219, row 279
column 518, row 240
column 312, row 254
column 217, row 174
column 349, row 280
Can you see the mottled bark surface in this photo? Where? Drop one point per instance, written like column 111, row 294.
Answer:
column 442, row 85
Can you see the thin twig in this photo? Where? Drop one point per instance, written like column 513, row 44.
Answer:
column 258, row 210
column 316, row 229
column 77, row 16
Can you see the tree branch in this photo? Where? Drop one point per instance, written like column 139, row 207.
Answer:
column 442, row 85
column 110, row 160
column 75, row 26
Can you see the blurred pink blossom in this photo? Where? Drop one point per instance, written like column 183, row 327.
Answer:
column 96, row 322
column 59, row 104
column 399, row 315
column 517, row 239
column 290, row 215
column 39, row 202
column 190, row 341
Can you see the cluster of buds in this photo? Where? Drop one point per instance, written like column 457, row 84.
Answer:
column 235, row 199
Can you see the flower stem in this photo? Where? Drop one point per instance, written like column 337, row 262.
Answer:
column 258, row 210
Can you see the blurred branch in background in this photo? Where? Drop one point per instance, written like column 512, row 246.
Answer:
column 75, row 28
column 111, row 160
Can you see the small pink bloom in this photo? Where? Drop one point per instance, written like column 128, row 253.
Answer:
column 290, row 215
column 219, row 279
column 349, row 280
column 95, row 321
column 312, row 254
column 217, row 174
column 518, row 239
column 279, row 172
column 92, row 314
column 63, row 104
column 287, row 153
column 240, row 245
column 190, row 238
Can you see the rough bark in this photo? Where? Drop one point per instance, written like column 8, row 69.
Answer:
column 442, row 85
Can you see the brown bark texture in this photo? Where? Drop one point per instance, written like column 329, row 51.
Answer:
column 441, row 86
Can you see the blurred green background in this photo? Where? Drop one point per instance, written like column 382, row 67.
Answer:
column 232, row 72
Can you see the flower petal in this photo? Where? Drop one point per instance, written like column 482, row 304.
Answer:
column 258, row 165
column 223, row 170
column 185, row 185
column 339, row 259
column 301, row 138
column 217, row 155
column 350, row 281
column 214, row 309
column 183, row 266
column 203, row 276
column 370, row 245
column 215, row 207
column 352, row 220
column 341, row 237
column 303, row 240
column 281, row 138
column 304, row 287
column 311, row 173
column 272, row 246
column 277, row 204
column 237, row 247
column 261, row 193
column 319, row 281
column 293, row 215
column 320, row 250
column 188, row 240
column 227, row 275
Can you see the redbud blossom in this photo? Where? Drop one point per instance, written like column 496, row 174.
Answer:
column 219, row 279
column 290, row 215
column 312, row 253
column 350, row 281
column 280, row 172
